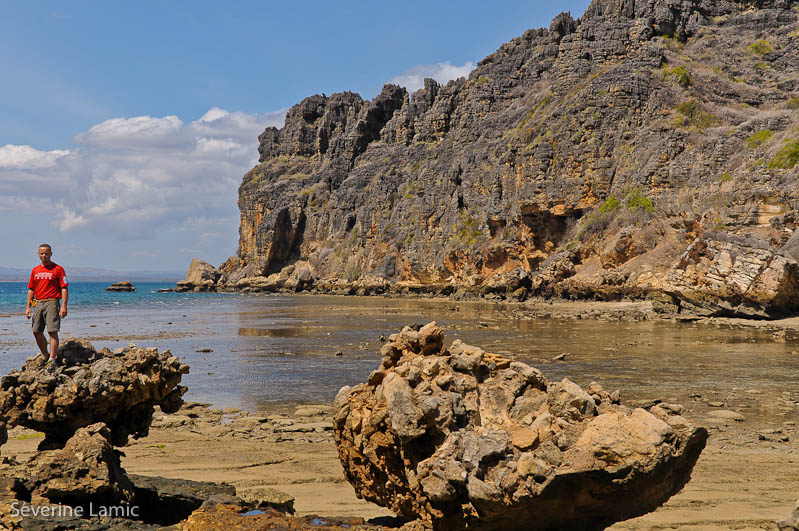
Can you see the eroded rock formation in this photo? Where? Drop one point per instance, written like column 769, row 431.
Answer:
column 201, row 276
column 731, row 276
column 620, row 136
column 92, row 402
column 463, row 438
column 87, row 468
column 119, row 389
column 124, row 286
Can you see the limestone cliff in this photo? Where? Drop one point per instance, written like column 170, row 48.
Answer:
column 615, row 140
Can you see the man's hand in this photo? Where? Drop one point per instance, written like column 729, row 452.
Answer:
column 28, row 312
column 64, row 299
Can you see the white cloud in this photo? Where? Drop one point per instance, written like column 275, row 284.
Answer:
column 213, row 114
column 69, row 220
column 130, row 132
column 139, row 177
column 215, row 146
column 219, row 122
column 413, row 78
column 105, row 208
column 26, row 157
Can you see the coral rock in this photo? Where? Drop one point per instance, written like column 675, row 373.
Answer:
column 460, row 437
column 118, row 389
column 87, row 468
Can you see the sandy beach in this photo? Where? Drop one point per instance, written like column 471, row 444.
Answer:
column 746, row 478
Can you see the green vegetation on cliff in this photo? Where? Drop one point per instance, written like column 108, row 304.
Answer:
column 678, row 75
column 787, row 157
column 759, row 138
column 761, row 47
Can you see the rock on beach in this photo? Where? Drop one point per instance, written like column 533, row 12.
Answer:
column 119, row 389
column 121, row 286
column 463, row 438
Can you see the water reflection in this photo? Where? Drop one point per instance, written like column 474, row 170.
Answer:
column 275, row 332
column 643, row 359
column 271, row 349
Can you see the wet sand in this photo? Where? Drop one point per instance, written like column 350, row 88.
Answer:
column 747, row 477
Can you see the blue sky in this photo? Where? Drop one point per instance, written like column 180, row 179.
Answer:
column 125, row 128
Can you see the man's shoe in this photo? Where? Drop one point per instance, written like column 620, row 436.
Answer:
column 52, row 364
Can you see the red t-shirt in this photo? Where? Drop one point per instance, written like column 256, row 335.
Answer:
column 46, row 283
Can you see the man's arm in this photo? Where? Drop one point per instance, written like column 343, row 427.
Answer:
column 28, row 304
column 64, row 299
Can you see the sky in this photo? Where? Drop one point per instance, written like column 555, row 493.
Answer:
column 126, row 127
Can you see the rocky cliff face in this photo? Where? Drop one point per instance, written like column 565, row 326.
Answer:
column 619, row 137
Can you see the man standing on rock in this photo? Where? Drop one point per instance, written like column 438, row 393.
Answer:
column 47, row 301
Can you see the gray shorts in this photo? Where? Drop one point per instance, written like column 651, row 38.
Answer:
column 47, row 312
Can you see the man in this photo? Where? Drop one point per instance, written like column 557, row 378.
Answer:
column 48, row 286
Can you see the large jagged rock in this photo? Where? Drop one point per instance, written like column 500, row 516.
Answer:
column 87, row 468
column 119, row 389
column 725, row 276
column 462, row 438
column 60, row 489
column 201, row 276
column 81, row 484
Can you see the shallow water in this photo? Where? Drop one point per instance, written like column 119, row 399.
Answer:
column 277, row 349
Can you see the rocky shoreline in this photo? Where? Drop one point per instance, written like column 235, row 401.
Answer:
column 717, row 275
column 617, row 308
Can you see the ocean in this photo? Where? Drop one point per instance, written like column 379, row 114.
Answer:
column 254, row 351
column 84, row 295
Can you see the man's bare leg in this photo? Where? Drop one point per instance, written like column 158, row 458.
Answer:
column 42, row 342
column 53, row 345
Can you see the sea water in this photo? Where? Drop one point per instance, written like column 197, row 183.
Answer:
column 93, row 295
column 257, row 350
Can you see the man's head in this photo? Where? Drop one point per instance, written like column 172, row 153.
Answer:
column 45, row 252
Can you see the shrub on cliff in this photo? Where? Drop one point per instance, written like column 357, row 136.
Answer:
column 761, row 47
column 678, row 76
column 637, row 201
column 758, row 139
column 634, row 208
column 787, row 157
column 690, row 114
